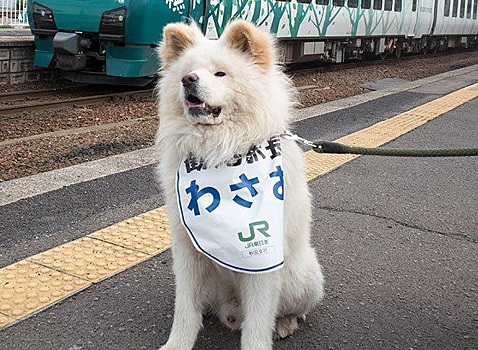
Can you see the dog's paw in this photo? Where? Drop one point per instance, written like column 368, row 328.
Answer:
column 285, row 326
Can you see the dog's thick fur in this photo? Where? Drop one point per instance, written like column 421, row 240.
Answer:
column 248, row 101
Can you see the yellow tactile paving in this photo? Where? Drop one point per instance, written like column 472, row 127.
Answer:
column 26, row 288
column 29, row 287
column 89, row 259
column 5, row 320
column 147, row 233
column 320, row 164
column 387, row 130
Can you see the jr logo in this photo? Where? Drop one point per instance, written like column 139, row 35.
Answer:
column 260, row 226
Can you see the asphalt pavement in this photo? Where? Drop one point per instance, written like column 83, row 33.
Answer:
column 397, row 238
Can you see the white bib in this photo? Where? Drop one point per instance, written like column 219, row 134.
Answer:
column 234, row 213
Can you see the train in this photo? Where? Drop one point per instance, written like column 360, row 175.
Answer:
column 115, row 41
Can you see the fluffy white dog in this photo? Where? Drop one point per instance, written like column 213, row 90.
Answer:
column 219, row 100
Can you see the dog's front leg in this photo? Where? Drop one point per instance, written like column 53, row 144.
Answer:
column 189, row 270
column 260, row 298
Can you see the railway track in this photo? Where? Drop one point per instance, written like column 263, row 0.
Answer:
column 10, row 110
column 13, row 103
column 10, row 106
column 74, row 131
column 30, row 94
column 47, row 139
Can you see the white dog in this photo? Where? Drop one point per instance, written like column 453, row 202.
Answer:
column 223, row 104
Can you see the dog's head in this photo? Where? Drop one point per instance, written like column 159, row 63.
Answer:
column 230, row 80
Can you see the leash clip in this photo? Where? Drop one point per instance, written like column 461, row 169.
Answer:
column 293, row 137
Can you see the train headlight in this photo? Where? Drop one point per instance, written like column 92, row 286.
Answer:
column 112, row 24
column 43, row 17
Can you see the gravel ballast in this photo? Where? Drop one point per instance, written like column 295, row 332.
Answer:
column 52, row 152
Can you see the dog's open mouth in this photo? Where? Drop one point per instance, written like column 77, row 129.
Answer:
column 199, row 108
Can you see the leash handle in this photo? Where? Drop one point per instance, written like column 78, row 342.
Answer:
column 331, row 147
column 338, row 148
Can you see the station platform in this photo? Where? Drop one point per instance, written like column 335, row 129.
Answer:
column 85, row 260
column 17, row 49
column 14, row 34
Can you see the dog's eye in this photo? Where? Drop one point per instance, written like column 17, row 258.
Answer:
column 219, row 74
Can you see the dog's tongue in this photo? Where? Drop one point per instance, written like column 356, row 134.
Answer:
column 196, row 105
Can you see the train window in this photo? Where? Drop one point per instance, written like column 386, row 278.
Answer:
column 468, row 9
column 366, row 4
column 353, row 3
column 462, row 8
column 455, row 8
column 388, row 5
column 475, row 8
column 322, row 2
column 339, row 2
column 414, row 5
column 398, row 5
column 446, row 9
column 377, row 4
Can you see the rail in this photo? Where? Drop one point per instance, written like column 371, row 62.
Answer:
column 10, row 111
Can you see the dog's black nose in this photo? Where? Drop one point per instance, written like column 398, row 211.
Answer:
column 190, row 79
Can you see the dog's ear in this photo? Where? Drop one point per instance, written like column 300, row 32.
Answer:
column 177, row 37
column 247, row 38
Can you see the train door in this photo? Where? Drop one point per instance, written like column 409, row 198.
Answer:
column 424, row 14
column 198, row 13
column 411, row 17
column 211, row 16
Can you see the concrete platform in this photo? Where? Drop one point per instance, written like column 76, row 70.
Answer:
column 14, row 35
column 16, row 58
column 397, row 238
column 384, row 84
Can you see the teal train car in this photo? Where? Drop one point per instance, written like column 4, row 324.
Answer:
column 103, row 41
column 114, row 41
